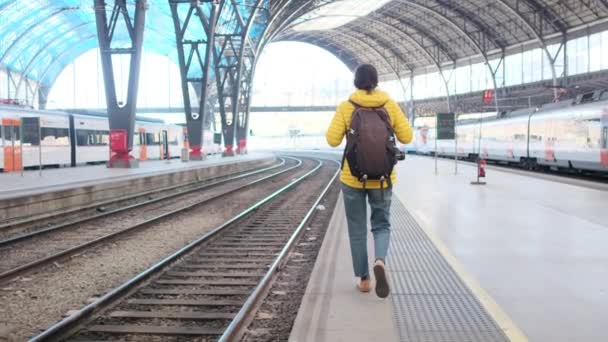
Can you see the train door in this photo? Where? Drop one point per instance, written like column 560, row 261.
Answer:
column 186, row 142
column 164, row 153
column 11, row 145
column 143, row 149
column 604, row 147
column 604, row 138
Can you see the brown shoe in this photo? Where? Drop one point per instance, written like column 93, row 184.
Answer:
column 382, row 287
column 364, row 285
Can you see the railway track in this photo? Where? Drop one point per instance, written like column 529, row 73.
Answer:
column 24, row 226
column 34, row 250
column 211, row 287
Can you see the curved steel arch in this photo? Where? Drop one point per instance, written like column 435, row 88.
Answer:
column 423, row 32
column 59, row 57
column 27, row 68
column 8, row 3
column 351, row 62
column 539, row 38
column 466, row 36
column 414, row 42
column 383, row 43
column 396, row 72
column 421, row 47
column 326, row 35
column 433, row 60
column 547, row 15
column 603, row 4
column 29, row 29
column 448, row 21
column 285, row 23
column 487, row 30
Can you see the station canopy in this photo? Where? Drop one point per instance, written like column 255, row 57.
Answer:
column 403, row 36
column 39, row 38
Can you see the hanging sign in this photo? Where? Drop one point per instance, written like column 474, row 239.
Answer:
column 488, row 96
column 446, row 126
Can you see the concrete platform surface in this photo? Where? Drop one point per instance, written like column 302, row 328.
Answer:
column 332, row 308
column 539, row 248
column 33, row 182
column 428, row 301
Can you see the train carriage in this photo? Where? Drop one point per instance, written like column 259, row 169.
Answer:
column 91, row 136
column 52, row 149
column 569, row 135
column 75, row 139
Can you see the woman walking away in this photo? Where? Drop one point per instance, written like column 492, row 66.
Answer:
column 370, row 119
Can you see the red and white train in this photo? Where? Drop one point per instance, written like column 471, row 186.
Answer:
column 74, row 139
column 564, row 135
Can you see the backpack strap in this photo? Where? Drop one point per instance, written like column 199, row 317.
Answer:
column 357, row 106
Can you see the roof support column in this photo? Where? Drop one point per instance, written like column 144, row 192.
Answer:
column 493, row 72
column 235, row 55
column 538, row 34
column 447, row 88
column 194, row 55
column 412, row 105
column 43, row 96
column 10, row 76
column 121, row 115
column 244, row 105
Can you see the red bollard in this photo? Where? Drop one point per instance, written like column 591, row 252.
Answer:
column 482, row 168
column 481, row 172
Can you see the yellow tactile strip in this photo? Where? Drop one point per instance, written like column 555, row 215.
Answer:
column 431, row 301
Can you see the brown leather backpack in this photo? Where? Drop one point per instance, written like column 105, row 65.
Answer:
column 370, row 145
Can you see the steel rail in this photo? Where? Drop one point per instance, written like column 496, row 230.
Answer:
column 63, row 328
column 5, row 242
column 7, row 275
column 133, row 196
column 237, row 326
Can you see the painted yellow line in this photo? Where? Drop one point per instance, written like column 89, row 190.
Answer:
column 494, row 310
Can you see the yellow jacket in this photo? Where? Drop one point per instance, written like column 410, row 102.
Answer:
column 341, row 122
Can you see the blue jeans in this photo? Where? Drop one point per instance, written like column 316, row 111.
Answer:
column 356, row 217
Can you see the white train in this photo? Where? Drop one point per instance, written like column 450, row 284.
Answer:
column 73, row 139
column 564, row 135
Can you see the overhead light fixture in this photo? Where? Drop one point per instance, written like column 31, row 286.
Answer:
column 336, row 14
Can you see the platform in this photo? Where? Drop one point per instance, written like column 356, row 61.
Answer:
column 519, row 259
column 34, row 193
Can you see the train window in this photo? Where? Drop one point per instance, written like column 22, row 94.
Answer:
column 54, row 136
column 81, row 137
column 152, row 139
column 30, row 138
column 605, row 137
column 88, row 137
column 11, row 132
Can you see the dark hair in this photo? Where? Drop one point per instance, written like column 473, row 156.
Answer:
column 366, row 77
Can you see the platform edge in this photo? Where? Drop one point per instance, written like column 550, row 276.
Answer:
column 502, row 319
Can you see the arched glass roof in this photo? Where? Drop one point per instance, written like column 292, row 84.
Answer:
column 411, row 36
column 38, row 38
